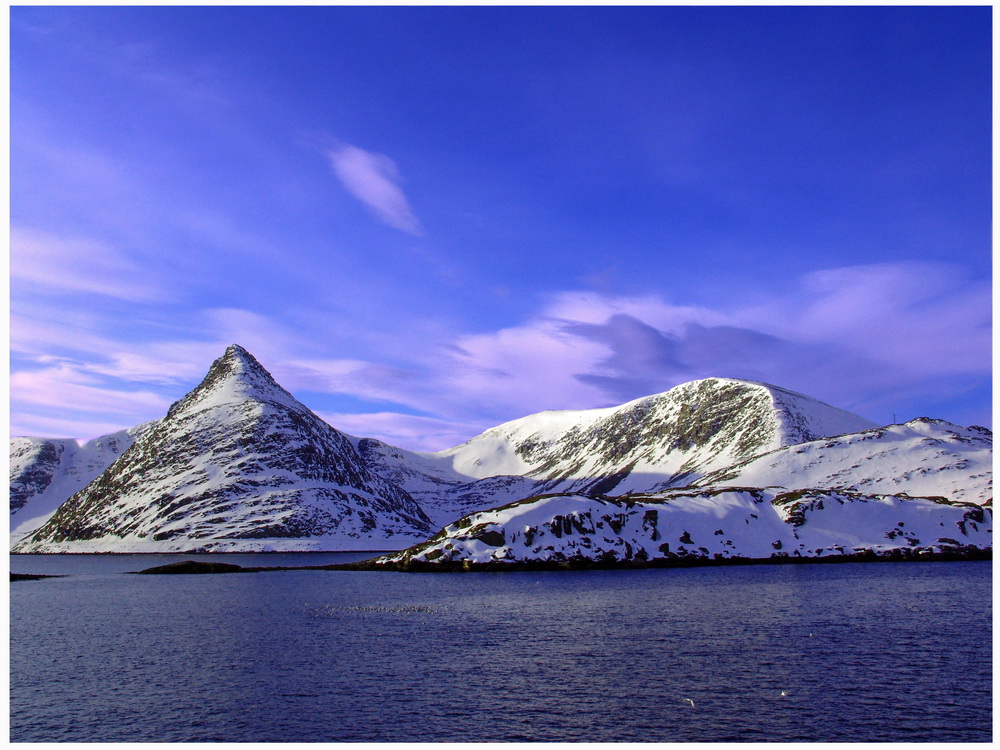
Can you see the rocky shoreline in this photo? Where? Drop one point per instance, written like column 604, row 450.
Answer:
column 957, row 554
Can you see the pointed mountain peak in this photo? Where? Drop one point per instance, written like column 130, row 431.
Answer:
column 236, row 351
column 234, row 377
column 239, row 362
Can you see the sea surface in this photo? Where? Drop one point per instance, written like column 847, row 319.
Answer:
column 852, row 652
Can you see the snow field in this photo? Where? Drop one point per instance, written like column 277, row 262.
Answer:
column 716, row 523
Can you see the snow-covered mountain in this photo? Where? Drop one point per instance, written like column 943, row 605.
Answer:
column 44, row 472
column 236, row 465
column 443, row 493
column 239, row 464
column 699, row 525
column 668, row 440
column 924, row 457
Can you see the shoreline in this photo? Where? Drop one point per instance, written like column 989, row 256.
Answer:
column 192, row 567
column 205, row 567
column 963, row 554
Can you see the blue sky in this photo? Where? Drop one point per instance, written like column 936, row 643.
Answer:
column 427, row 221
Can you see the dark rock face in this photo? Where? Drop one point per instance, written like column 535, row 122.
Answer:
column 35, row 475
column 718, row 413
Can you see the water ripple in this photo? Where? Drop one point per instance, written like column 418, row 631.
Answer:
column 841, row 653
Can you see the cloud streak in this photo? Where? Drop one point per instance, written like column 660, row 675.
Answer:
column 873, row 339
column 64, row 400
column 870, row 339
column 374, row 180
column 416, row 433
column 53, row 264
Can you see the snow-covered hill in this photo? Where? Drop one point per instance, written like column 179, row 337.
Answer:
column 715, row 523
column 923, row 457
column 44, row 472
column 236, row 465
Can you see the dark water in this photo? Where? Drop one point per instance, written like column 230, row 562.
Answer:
column 875, row 652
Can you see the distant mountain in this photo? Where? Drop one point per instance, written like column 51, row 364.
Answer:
column 239, row 464
column 923, row 457
column 44, row 472
column 692, row 525
column 236, row 465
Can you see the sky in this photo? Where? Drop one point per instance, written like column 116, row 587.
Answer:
column 428, row 221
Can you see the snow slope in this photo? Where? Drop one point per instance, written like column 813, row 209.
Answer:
column 236, row 465
column 45, row 472
column 701, row 524
column 443, row 493
column 924, row 457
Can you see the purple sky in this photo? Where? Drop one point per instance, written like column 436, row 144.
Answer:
column 427, row 221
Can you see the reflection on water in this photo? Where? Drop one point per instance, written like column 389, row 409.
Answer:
column 877, row 652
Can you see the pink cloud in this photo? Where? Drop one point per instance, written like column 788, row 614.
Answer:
column 415, row 433
column 862, row 338
column 374, row 180
column 920, row 318
column 57, row 264
column 65, row 386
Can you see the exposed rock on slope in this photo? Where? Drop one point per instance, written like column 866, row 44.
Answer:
column 667, row 440
column 664, row 440
column 692, row 525
column 45, row 472
column 922, row 457
column 236, row 465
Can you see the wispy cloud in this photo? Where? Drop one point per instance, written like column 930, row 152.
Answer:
column 67, row 386
column 416, row 433
column 862, row 338
column 57, row 264
column 37, row 333
column 65, row 400
column 867, row 339
column 374, row 180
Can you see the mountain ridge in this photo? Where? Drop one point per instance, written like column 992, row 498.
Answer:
column 667, row 439
column 238, row 464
